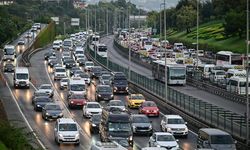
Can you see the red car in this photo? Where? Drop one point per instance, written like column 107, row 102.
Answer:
column 149, row 108
column 77, row 100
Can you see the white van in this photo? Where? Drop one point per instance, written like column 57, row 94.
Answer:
column 76, row 85
column 206, row 69
column 57, row 45
column 68, row 45
column 237, row 85
column 178, row 46
column 217, row 75
column 21, row 77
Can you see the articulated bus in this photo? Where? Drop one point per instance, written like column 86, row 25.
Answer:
column 176, row 73
column 228, row 58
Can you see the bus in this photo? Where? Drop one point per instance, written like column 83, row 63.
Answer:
column 9, row 52
column 176, row 73
column 101, row 50
column 238, row 85
column 95, row 39
column 228, row 58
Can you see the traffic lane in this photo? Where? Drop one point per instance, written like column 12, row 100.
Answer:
column 41, row 76
column 114, row 56
column 189, row 90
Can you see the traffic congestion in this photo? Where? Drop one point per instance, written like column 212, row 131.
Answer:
column 114, row 115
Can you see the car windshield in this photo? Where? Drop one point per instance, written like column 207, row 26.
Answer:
column 60, row 70
column 149, row 104
column 96, row 69
column 67, row 43
column 45, row 87
column 39, row 99
column 79, row 52
column 22, row 76
column 9, row 51
column 165, row 138
column 40, row 94
column 77, row 87
column 119, row 127
column 176, row 121
column 96, row 118
column 106, row 77
column 64, row 80
column 53, row 107
column 77, row 96
column 104, row 89
column 67, row 127
column 116, row 103
column 89, row 64
column 221, row 139
column 137, row 97
column 93, row 106
column 140, row 119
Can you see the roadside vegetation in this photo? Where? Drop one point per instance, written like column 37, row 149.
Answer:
column 222, row 24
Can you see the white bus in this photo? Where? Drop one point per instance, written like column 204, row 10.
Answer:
column 101, row 50
column 176, row 73
column 228, row 58
column 237, row 85
column 95, row 39
column 9, row 53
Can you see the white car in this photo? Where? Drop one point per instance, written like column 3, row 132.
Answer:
column 174, row 124
column 47, row 88
column 117, row 104
column 66, row 131
column 57, row 44
column 91, row 108
column 64, row 83
column 163, row 139
column 88, row 65
column 59, row 73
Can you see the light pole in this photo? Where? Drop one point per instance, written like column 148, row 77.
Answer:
column 107, row 23
column 165, row 38
column 161, row 24
column 129, row 47
column 247, row 80
column 197, row 34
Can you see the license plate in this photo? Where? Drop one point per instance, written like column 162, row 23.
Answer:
column 78, row 104
column 54, row 117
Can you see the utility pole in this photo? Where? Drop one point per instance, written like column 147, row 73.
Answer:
column 165, row 38
column 197, row 36
column 129, row 47
column 247, row 80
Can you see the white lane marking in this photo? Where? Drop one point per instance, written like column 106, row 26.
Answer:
column 63, row 101
column 26, row 121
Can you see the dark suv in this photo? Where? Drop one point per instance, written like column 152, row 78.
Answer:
column 119, row 83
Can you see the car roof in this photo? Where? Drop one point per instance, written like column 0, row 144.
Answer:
column 213, row 131
column 66, row 120
column 173, row 116
column 162, row 133
column 45, row 85
column 138, row 115
column 92, row 103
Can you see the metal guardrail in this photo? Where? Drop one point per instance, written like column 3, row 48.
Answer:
column 190, row 81
column 194, row 109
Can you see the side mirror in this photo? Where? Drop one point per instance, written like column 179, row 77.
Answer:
column 55, row 129
column 177, row 140
column 186, row 123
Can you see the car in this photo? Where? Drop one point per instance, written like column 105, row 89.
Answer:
column 69, row 63
column 117, row 104
column 119, row 83
column 88, row 65
column 91, row 108
column 141, row 124
column 39, row 103
column 38, row 25
column 81, row 61
column 9, row 67
column 59, row 73
column 113, row 145
column 48, row 54
column 39, row 93
column 84, row 76
column 66, row 131
column 163, row 139
column 66, row 54
column 103, row 92
column 80, row 57
column 40, row 98
column 77, row 100
column 105, row 79
column 175, row 125
column 57, row 45
column 78, row 73
column 94, row 122
column 53, row 63
column 52, row 111
column 21, row 42
column 149, row 108
column 51, row 58
column 73, row 69
column 47, row 88
column 33, row 29
column 64, row 83
column 135, row 100
column 28, row 34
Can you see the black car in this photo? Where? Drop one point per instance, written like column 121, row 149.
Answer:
column 39, row 103
column 48, row 54
column 81, row 62
column 21, row 42
column 73, row 69
column 9, row 68
column 52, row 63
column 39, row 98
column 51, row 111
column 105, row 79
column 70, row 63
column 103, row 92
column 94, row 123
column 141, row 124
column 120, row 86
column 96, row 71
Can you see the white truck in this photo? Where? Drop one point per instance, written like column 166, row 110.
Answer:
column 21, row 77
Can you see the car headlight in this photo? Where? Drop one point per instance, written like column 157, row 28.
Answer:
column 169, row 129
column 99, row 95
column 60, row 135
column 186, row 129
column 130, row 138
column 47, row 113
column 77, row 136
column 150, row 127
column 112, row 95
column 38, row 105
column 61, row 114
column 126, row 88
column 158, row 145
column 115, row 88
column 94, row 125
column 87, row 112
column 134, row 127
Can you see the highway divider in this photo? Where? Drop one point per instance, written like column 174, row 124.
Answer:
column 44, row 37
column 200, row 113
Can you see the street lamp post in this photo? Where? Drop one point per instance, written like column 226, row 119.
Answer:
column 247, row 80
column 129, row 47
column 197, row 34
column 165, row 38
column 107, row 23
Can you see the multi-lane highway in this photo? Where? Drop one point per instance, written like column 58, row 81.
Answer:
column 114, row 56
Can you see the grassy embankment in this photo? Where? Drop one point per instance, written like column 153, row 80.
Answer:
column 211, row 37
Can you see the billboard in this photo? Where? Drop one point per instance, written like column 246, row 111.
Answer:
column 75, row 21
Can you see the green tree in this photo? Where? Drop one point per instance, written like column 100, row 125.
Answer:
column 186, row 18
